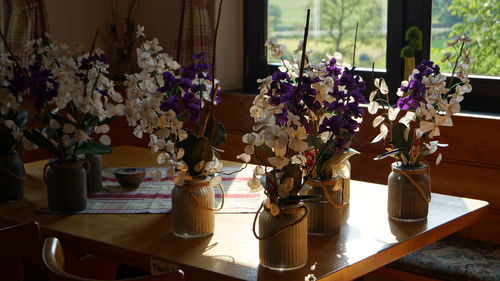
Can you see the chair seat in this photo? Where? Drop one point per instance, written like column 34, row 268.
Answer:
column 454, row 258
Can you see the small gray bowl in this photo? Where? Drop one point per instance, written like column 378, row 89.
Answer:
column 130, row 177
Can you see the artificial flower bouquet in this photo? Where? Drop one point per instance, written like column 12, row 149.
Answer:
column 428, row 102
column 72, row 97
column 175, row 106
column 13, row 117
column 306, row 117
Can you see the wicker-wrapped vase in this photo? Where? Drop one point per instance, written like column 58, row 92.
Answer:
column 193, row 208
column 409, row 192
column 325, row 215
column 283, row 238
column 12, row 176
column 66, row 186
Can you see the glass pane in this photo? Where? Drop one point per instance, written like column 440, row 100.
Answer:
column 479, row 20
column 332, row 28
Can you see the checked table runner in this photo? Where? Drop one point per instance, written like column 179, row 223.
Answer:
column 154, row 197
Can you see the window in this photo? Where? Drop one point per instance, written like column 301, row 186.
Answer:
column 332, row 28
column 387, row 22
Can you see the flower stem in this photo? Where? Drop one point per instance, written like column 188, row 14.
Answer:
column 456, row 63
column 304, row 46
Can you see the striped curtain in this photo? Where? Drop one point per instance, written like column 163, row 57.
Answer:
column 4, row 15
column 27, row 21
column 195, row 32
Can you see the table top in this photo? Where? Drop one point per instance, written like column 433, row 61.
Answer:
column 367, row 240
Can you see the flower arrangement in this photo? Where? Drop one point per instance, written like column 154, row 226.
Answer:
column 175, row 106
column 73, row 99
column 12, row 117
column 306, row 117
column 429, row 102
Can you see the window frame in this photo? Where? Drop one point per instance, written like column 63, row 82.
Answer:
column 485, row 97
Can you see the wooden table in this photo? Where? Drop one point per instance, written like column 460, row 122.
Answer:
column 368, row 239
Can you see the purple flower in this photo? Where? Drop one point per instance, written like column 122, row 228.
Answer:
column 411, row 101
column 282, row 118
column 42, row 84
column 171, row 103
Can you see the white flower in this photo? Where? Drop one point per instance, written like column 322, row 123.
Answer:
column 373, row 107
column 297, row 138
column 80, row 135
column 378, row 120
column 384, row 130
column 255, row 184
column 54, row 124
column 252, row 139
column 277, row 50
column 381, row 85
column 69, row 128
column 299, row 159
column 433, row 127
column 105, row 139
column 244, row 157
column 140, row 31
column 156, row 175
column 102, row 129
column 278, row 162
column 275, row 137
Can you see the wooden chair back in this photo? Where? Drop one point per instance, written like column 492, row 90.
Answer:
column 53, row 257
column 21, row 253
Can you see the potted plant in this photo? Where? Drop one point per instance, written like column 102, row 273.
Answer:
column 175, row 106
column 73, row 100
column 429, row 102
column 13, row 118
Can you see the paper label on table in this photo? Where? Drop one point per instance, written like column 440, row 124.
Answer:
column 160, row 267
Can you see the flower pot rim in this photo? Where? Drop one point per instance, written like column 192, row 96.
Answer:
column 399, row 166
column 9, row 154
column 58, row 163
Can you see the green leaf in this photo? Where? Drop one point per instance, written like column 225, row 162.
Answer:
column 37, row 138
column 398, row 137
column 196, row 149
column 21, row 118
column 61, row 119
column 88, row 122
column 215, row 132
column 313, row 140
column 389, row 153
column 92, row 148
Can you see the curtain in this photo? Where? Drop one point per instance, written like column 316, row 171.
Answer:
column 195, row 32
column 4, row 15
column 27, row 21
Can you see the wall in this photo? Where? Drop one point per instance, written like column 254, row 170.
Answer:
column 76, row 21
column 229, row 54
